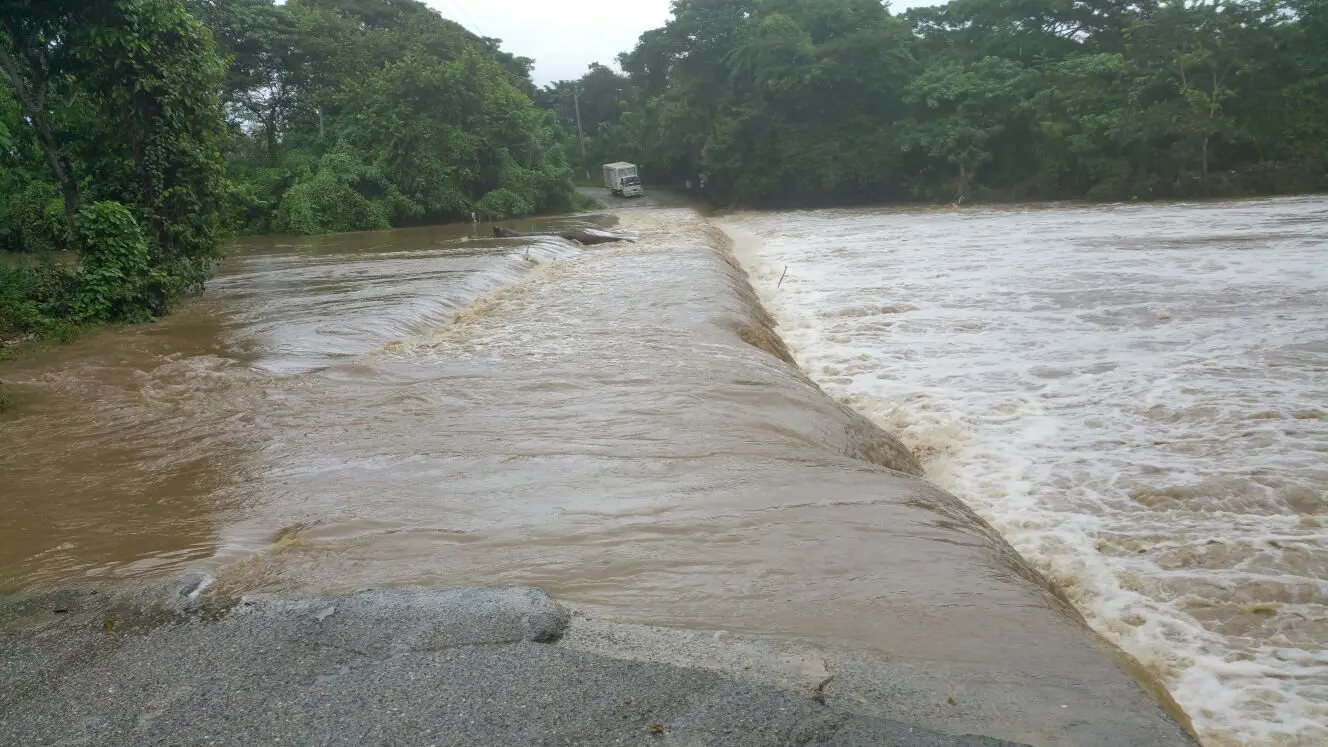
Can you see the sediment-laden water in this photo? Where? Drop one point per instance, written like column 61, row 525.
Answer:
column 618, row 425
column 1136, row 397
column 622, row 426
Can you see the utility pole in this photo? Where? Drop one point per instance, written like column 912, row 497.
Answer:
column 576, row 98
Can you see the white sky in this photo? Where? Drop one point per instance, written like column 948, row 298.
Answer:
column 565, row 36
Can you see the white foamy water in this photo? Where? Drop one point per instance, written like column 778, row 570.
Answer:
column 1136, row 397
column 302, row 312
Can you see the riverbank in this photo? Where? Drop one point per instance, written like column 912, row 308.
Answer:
column 497, row 666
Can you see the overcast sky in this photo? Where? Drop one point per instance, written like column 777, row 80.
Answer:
column 565, row 36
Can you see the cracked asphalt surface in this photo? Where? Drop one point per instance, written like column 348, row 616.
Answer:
column 399, row 667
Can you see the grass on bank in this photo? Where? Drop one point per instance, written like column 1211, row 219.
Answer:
column 38, row 301
column 583, row 203
column 40, row 306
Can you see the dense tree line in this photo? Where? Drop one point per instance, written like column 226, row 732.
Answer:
column 134, row 134
column 363, row 114
column 831, row 101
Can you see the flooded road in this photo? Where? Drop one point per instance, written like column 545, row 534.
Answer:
column 1135, row 397
column 612, row 425
column 132, row 441
column 617, row 425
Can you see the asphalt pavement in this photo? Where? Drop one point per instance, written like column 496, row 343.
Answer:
column 451, row 667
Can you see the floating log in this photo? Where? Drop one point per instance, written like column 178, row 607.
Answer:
column 581, row 237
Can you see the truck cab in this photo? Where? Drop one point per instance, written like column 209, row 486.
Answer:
column 623, row 180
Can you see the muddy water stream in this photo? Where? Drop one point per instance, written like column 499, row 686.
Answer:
column 617, row 425
column 130, row 448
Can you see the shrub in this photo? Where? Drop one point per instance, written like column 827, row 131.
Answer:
column 33, row 219
column 38, row 301
column 118, row 281
column 341, row 195
column 325, row 205
column 503, row 203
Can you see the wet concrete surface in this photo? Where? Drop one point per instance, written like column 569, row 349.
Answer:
column 469, row 666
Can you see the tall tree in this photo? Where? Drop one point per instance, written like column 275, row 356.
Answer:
column 801, row 101
column 37, row 56
column 123, row 99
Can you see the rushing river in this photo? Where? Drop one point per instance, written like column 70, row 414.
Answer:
column 1136, row 397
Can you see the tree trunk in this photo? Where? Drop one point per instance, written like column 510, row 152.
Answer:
column 1204, row 167
column 60, row 167
column 270, row 126
column 31, row 100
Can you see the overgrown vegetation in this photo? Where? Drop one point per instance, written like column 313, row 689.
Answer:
column 363, row 114
column 110, row 127
column 833, row 101
column 136, row 133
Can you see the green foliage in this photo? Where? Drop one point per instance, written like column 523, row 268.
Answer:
column 595, row 100
column 112, row 116
column 403, row 117
column 118, row 282
column 585, row 203
column 815, row 101
column 340, row 195
column 115, row 280
column 324, row 205
column 963, row 108
column 170, row 112
column 501, row 204
column 32, row 218
column 30, row 205
column 38, row 301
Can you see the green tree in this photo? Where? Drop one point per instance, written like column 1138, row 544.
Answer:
column 357, row 114
column 265, row 70
column 122, row 98
column 593, row 103
column 38, row 56
column 811, row 101
column 1188, row 58
column 774, row 100
column 967, row 107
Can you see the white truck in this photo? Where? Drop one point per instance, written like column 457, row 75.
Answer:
column 623, row 179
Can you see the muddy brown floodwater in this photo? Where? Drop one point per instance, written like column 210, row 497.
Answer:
column 618, row 425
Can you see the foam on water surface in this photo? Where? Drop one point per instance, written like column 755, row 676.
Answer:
column 1134, row 396
column 298, row 311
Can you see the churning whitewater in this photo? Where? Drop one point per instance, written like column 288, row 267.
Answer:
column 1134, row 396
